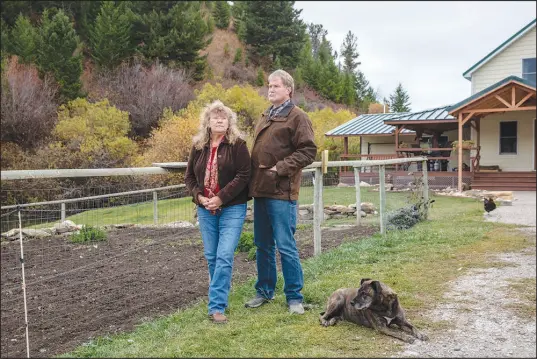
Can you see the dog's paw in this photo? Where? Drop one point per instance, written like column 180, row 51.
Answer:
column 423, row 337
column 410, row 340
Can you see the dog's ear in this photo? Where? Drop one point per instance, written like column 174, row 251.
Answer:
column 376, row 286
column 364, row 280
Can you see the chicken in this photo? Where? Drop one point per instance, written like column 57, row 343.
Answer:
column 489, row 204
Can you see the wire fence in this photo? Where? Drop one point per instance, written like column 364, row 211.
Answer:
column 58, row 293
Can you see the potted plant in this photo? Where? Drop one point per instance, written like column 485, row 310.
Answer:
column 466, row 144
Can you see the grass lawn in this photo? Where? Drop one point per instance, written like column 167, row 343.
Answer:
column 417, row 263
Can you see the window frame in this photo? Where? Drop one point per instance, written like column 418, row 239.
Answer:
column 500, row 138
column 528, row 73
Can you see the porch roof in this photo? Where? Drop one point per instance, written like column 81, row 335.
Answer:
column 435, row 115
column 492, row 88
column 367, row 124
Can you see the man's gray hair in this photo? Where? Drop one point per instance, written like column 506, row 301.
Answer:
column 287, row 80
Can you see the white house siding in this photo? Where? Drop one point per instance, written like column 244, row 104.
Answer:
column 506, row 63
column 382, row 145
column 490, row 141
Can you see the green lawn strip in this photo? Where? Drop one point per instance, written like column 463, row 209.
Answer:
column 182, row 209
column 417, row 264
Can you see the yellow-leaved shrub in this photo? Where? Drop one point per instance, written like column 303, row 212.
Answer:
column 95, row 133
column 325, row 120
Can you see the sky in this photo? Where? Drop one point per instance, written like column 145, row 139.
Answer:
column 426, row 46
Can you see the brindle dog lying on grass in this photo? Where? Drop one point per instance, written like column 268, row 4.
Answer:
column 373, row 305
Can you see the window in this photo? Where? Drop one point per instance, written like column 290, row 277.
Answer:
column 528, row 70
column 508, row 137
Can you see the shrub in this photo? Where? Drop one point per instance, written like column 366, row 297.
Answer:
column 252, row 253
column 29, row 106
column 246, row 242
column 88, row 234
column 260, row 78
column 238, row 56
column 226, row 50
column 144, row 93
column 402, row 218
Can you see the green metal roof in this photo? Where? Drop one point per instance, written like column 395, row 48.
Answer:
column 492, row 87
column 439, row 114
column 368, row 124
column 468, row 73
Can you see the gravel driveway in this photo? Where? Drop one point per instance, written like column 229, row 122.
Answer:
column 478, row 302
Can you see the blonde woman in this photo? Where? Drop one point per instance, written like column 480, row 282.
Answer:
column 217, row 176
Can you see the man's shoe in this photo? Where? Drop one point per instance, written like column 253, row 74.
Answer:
column 218, row 318
column 256, row 302
column 296, row 308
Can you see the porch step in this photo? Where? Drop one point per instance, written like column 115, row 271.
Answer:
column 505, row 181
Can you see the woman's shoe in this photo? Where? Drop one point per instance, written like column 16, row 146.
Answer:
column 218, row 318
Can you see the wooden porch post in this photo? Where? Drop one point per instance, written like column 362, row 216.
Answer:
column 346, row 145
column 459, row 153
column 397, row 145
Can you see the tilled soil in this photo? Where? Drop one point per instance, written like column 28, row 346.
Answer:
column 77, row 292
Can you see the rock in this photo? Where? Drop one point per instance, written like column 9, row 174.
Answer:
column 339, row 208
column 303, row 212
column 367, row 207
column 363, row 214
column 364, row 184
column 179, row 224
column 13, row 234
column 341, row 184
column 308, row 207
column 66, row 226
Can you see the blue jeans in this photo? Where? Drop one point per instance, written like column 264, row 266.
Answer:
column 275, row 226
column 220, row 234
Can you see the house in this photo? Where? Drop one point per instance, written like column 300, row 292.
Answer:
column 498, row 120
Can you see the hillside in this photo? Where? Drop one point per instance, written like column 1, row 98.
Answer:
column 224, row 72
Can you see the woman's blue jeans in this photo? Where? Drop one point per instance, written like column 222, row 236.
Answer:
column 275, row 226
column 220, row 234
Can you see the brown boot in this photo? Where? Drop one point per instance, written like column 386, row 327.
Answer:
column 218, row 318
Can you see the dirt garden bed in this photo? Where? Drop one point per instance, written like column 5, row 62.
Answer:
column 77, row 292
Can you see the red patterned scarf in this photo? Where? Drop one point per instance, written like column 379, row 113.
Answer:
column 211, row 171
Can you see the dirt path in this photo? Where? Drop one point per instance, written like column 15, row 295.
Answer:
column 480, row 308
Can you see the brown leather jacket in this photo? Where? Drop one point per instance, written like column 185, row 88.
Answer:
column 233, row 172
column 287, row 142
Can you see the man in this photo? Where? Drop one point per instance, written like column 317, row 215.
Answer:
column 283, row 145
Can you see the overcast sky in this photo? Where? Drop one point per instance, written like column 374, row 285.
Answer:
column 424, row 45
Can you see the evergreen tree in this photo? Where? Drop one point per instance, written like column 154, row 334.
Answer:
column 325, row 51
column 348, row 93
column 176, row 36
column 57, row 45
column 274, row 28
column 238, row 10
column 277, row 65
column 238, row 56
column 221, row 14
column 260, row 81
column 23, row 42
column 316, row 35
column 399, row 100
column 349, row 53
column 110, row 38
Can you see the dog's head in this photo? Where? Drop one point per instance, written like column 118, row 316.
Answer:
column 376, row 296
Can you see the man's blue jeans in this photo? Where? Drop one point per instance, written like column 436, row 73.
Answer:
column 275, row 226
column 220, row 234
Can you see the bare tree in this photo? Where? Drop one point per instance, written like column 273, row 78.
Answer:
column 145, row 92
column 29, row 105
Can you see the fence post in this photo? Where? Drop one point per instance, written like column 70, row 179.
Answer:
column 155, row 207
column 425, row 180
column 63, row 212
column 358, row 195
column 317, row 210
column 382, row 191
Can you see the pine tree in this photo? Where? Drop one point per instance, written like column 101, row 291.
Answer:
column 348, row 95
column 4, row 41
column 238, row 56
column 349, row 53
column 176, row 36
column 23, row 42
column 277, row 65
column 221, row 14
column 274, row 28
column 260, row 81
column 58, row 42
column 110, row 39
column 399, row 100
column 316, row 35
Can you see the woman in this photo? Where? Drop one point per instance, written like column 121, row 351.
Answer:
column 217, row 175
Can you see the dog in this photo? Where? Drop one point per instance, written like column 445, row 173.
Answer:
column 373, row 305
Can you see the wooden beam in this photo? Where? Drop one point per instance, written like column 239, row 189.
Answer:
column 524, row 99
column 397, row 130
column 459, row 150
column 467, row 118
column 502, row 101
column 513, row 99
column 527, row 108
column 478, row 130
column 345, row 145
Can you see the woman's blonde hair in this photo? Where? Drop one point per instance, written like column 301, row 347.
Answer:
column 204, row 135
